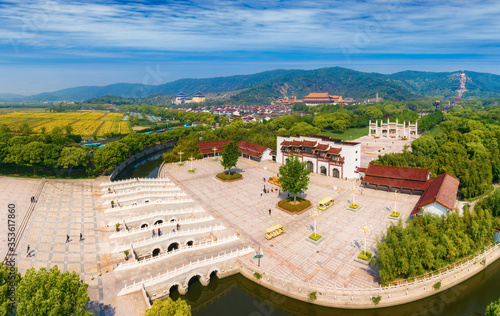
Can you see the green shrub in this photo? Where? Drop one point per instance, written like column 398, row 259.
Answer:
column 315, row 237
column 312, row 296
column 376, row 299
column 300, row 206
column 365, row 256
column 437, row 285
column 257, row 275
column 126, row 252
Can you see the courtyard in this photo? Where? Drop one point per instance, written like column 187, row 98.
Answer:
column 240, row 206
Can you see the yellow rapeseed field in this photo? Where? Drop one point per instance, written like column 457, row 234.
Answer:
column 83, row 123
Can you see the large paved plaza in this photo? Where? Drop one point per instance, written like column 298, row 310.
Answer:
column 240, row 206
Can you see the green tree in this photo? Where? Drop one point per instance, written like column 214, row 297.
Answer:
column 51, row 293
column 230, row 156
column 300, row 107
column 493, row 309
column 68, row 129
column 425, row 145
column 4, row 128
column 72, row 157
column 33, row 154
column 25, row 129
column 8, row 279
column 169, row 307
column 304, row 129
column 294, row 176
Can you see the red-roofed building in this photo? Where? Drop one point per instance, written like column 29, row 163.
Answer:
column 440, row 196
column 404, row 179
column 248, row 150
column 210, row 149
column 254, row 151
column 496, row 236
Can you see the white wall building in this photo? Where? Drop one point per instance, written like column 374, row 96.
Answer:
column 324, row 155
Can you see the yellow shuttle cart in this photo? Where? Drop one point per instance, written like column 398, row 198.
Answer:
column 274, row 231
column 326, row 203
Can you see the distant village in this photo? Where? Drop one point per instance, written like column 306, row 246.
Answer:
column 253, row 113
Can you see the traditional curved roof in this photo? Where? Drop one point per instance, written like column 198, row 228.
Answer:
column 442, row 190
column 198, row 94
column 181, row 94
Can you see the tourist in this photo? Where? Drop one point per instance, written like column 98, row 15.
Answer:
column 28, row 250
column 272, row 190
column 269, row 211
column 81, row 237
column 154, row 233
column 237, row 231
column 178, row 226
column 159, row 232
column 264, row 179
column 67, row 238
column 260, row 192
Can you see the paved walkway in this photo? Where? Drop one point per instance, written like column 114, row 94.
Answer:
column 240, row 206
column 65, row 207
column 372, row 147
column 17, row 191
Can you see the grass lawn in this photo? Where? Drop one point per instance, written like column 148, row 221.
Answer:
column 350, row 134
column 226, row 177
column 288, row 205
column 435, row 130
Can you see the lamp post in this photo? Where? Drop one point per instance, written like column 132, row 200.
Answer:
column 396, row 194
column 365, row 229
column 214, row 149
column 180, row 156
column 191, row 159
column 315, row 213
column 353, row 188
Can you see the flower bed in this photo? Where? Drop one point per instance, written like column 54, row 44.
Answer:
column 191, row 170
column 275, row 181
column 288, row 205
column 364, row 256
column 395, row 214
column 354, row 206
column 180, row 163
column 227, row 177
column 315, row 237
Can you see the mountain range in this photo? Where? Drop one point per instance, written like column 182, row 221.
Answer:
column 262, row 88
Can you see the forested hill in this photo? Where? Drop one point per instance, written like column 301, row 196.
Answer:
column 445, row 84
column 266, row 86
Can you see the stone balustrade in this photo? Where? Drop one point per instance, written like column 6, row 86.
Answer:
column 134, row 231
column 169, row 275
column 169, row 235
column 183, row 249
column 162, row 213
column 141, row 204
column 362, row 297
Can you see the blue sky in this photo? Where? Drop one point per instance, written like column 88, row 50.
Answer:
column 50, row 45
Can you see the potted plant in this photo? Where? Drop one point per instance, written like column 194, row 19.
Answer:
column 112, row 204
column 117, row 226
column 109, row 189
column 126, row 252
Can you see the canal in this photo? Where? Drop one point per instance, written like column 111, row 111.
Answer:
column 237, row 295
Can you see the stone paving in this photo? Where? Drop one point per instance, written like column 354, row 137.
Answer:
column 241, row 207
column 64, row 208
column 17, row 191
column 370, row 147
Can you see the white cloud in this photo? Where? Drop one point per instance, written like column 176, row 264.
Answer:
column 377, row 26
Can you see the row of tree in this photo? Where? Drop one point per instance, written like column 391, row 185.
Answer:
column 429, row 242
